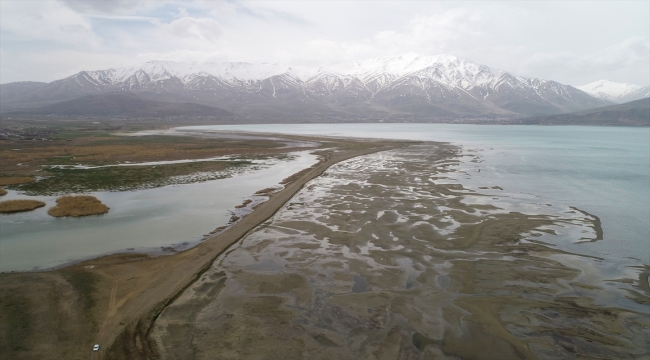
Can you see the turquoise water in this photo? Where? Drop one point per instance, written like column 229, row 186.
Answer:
column 604, row 171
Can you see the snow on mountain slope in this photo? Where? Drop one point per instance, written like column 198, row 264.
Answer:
column 405, row 83
column 394, row 65
column 637, row 94
column 445, row 68
column 608, row 90
column 162, row 70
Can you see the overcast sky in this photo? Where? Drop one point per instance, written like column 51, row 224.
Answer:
column 571, row 42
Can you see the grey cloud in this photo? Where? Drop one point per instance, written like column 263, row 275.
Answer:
column 268, row 14
column 197, row 28
column 573, row 42
column 631, row 53
column 102, row 6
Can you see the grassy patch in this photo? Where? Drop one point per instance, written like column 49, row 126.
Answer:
column 91, row 145
column 122, row 178
column 85, row 284
column 14, row 206
column 82, row 205
column 109, row 149
column 15, row 180
column 15, row 322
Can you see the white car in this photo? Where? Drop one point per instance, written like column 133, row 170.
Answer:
column 96, row 347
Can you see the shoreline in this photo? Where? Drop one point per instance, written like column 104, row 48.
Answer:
column 132, row 289
column 554, row 178
column 145, row 220
column 325, row 276
column 213, row 247
column 125, row 279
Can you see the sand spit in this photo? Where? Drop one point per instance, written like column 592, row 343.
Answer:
column 76, row 206
column 114, row 300
column 14, row 206
column 387, row 256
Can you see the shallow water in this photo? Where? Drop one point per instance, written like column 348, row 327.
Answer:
column 148, row 163
column 604, row 171
column 389, row 255
column 143, row 220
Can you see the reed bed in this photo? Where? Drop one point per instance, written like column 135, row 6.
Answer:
column 244, row 204
column 82, row 205
column 15, row 180
column 266, row 191
column 14, row 206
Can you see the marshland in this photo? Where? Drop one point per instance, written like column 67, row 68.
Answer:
column 80, row 205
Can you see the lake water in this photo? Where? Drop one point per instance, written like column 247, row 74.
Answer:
column 142, row 220
column 431, row 251
column 604, row 171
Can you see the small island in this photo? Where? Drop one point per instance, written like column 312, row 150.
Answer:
column 3, row 192
column 14, row 206
column 15, row 180
column 82, row 205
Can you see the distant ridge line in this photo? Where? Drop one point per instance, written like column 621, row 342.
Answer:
column 408, row 84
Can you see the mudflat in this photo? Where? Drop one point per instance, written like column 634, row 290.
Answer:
column 389, row 256
column 113, row 300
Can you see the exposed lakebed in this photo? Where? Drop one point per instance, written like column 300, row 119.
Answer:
column 397, row 255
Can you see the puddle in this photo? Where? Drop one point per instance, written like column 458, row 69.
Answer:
column 360, row 284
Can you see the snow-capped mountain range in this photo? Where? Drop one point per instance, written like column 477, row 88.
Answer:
column 406, row 84
column 614, row 91
column 640, row 93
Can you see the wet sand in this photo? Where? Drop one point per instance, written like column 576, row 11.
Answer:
column 389, row 256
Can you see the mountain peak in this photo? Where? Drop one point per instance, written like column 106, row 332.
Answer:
column 608, row 89
column 406, row 83
column 398, row 65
